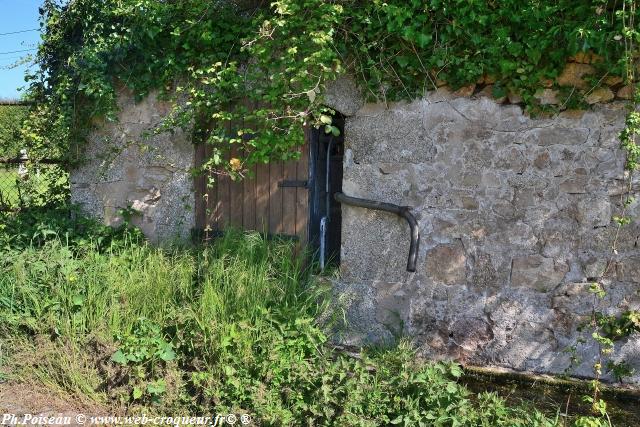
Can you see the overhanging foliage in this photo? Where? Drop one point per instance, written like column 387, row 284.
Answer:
column 253, row 74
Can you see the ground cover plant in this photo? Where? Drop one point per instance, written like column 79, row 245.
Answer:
column 231, row 327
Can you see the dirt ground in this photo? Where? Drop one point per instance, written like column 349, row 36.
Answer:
column 25, row 399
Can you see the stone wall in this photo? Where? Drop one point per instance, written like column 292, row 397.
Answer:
column 126, row 167
column 515, row 216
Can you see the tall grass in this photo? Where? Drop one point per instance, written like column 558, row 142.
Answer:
column 75, row 293
column 226, row 327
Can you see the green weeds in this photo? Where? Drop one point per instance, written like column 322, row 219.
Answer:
column 230, row 327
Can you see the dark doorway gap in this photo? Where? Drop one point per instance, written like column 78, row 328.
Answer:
column 326, row 156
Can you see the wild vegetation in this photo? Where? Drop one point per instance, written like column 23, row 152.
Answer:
column 250, row 74
column 40, row 183
column 11, row 119
column 228, row 328
column 233, row 327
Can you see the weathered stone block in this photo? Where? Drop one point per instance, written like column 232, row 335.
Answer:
column 598, row 239
column 593, row 212
column 613, row 80
column 392, row 305
column 487, row 92
column 465, row 91
column 573, row 299
column 538, row 272
column 514, row 98
column 628, row 269
column 574, row 74
column 150, row 174
column 484, row 273
column 519, row 235
column 512, row 159
column 601, row 94
column 343, row 96
column 358, row 302
column 594, row 267
column 585, row 58
column 629, row 237
column 625, row 92
column 470, row 334
column 375, row 245
column 572, row 114
column 392, row 136
column 559, row 136
column 447, row 264
column 547, row 96
column 542, row 160
column 575, row 185
column 514, row 215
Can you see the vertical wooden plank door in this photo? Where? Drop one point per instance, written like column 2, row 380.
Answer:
column 273, row 200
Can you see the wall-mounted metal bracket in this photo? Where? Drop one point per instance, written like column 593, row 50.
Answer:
column 403, row 211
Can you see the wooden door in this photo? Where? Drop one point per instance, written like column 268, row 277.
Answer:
column 274, row 200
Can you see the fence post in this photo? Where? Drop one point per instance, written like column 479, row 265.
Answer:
column 23, row 172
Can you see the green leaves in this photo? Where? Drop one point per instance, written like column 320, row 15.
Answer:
column 326, row 119
column 403, row 61
column 597, row 289
column 11, row 138
column 456, row 370
column 145, row 346
column 145, row 351
column 119, row 358
column 395, row 49
column 165, row 352
column 137, row 393
column 332, row 130
column 423, row 40
column 78, row 300
column 157, row 388
column 240, row 316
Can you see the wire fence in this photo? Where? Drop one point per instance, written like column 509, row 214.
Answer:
column 25, row 181
column 22, row 181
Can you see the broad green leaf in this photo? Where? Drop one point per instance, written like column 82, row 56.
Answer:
column 137, row 393
column 119, row 357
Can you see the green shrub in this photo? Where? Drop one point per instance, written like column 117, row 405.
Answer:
column 11, row 119
column 33, row 227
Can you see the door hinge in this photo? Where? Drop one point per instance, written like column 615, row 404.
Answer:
column 293, row 183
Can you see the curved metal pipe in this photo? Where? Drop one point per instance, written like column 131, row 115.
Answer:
column 403, row 211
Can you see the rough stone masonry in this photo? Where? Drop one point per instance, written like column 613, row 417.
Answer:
column 127, row 166
column 515, row 216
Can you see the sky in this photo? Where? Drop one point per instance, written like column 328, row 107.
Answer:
column 16, row 15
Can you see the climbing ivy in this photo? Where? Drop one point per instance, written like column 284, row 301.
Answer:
column 249, row 75
column 606, row 329
column 403, row 47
